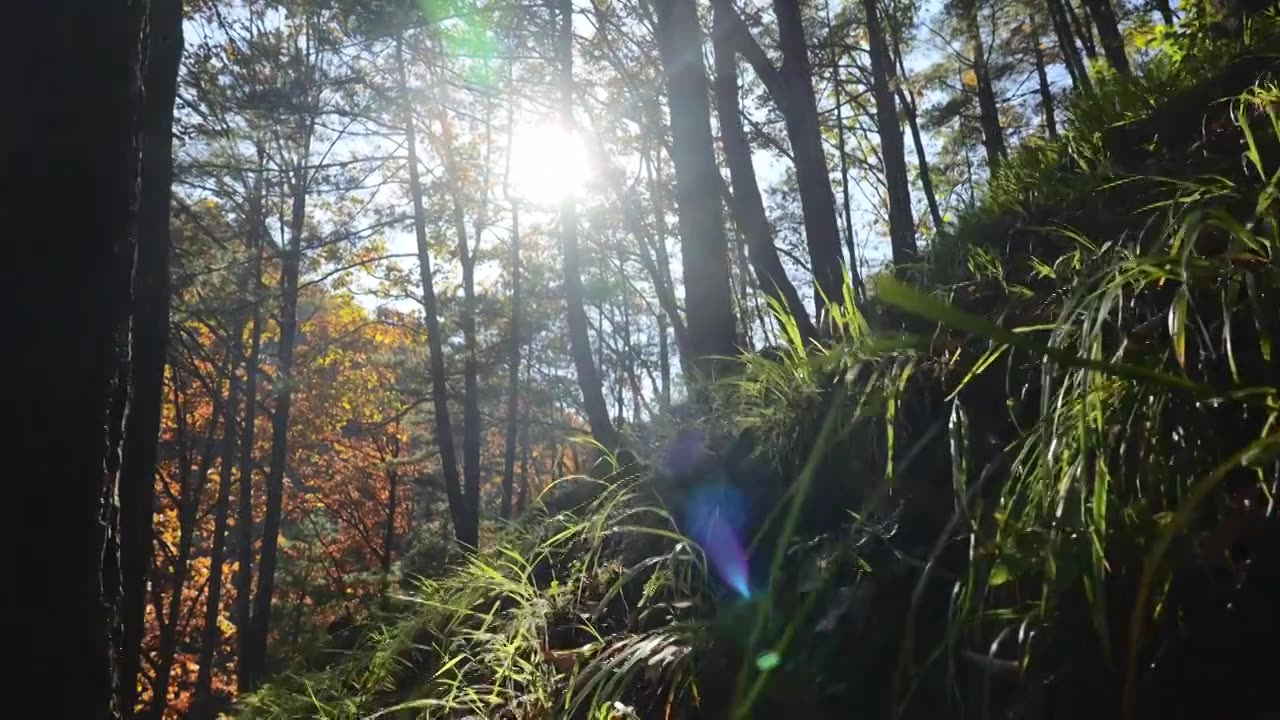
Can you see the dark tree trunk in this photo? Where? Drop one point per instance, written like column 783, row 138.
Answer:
column 243, row 613
column 212, row 637
column 389, row 535
column 150, row 334
column 469, row 534
column 913, row 122
column 1104, row 19
column 664, row 364
column 522, row 495
column 988, row 108
column 513, row 370
column 288, row 324
column 593, row 401
column 653, row 255
column 1165, row 8
column 1080, row 29
column 855, row 272
column 800, row 108
column 704, row 249
column 791, row 87
column 435, row 344
column 188, row 512
column 663, row 266
column 1067, row 45
column 902, row 226
column 1046, row 92
column 70, row 136
column 747, row 207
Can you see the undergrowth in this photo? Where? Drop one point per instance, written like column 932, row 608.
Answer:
column 1034, row 476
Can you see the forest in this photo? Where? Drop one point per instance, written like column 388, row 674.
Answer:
column 644, row 359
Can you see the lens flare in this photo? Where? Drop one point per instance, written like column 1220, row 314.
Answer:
column 715, row 515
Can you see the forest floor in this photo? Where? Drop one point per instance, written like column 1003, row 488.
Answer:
column 1032, row 477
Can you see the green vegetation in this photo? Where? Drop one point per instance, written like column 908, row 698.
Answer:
column 1032, row 476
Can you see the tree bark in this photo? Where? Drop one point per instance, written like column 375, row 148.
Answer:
column 435, row 342
column 74, row 80
column 597, row 410
column 393, row 500
column 1080, row 29
column 988, row 108
column 913, row 123
column 243, row 614
column 1104, row 19
column 855, row 272
column 1067, row 46
column 288, row 323
column 513, row 370
column 1165, row 8
column 747, row 207
column 704, row 249
column 902, row 226
column 800, row 108
column 469, row 534
column 1046, row 93
column 150, row 333
column 212, row 636
column 188, row 512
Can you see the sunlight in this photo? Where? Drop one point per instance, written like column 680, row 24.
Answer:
column 549, row 164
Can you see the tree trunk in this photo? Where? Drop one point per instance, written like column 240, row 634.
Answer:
column 663, row 266
column 188, row 512
column 902, row 228
column 1165, row 8
column 243, row 614
column 1067, row 46
column 579, row 338
column 913, row 123
column 747, row 207
column 288, row 323
column 435, row 343
column 513, row 370
column 389, row 535
column 988, row 108
column 1080, row 29
column 212, row 637
column 1104, row 19
column 149, row 335
column 664, row 363
column 470, row 533
column 855, row 272
column 522, row 495
column 792, row 89
column 74, row 84
column 800, row 109
column 704, row 250
column 1046, row 93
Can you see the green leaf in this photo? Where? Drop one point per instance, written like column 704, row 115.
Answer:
column 1178, row 325
column 999, row 575
column 767, row 661
column 912, row 300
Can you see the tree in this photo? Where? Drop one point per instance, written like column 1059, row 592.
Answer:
column 579, row 340
column 791, row 86
column 439, row 380
column 149, row 335
column 1104, row 19
column 901, row 225
column 72, row 56
column 747, row 207
column 703, row 247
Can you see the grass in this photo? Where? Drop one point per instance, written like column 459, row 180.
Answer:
column 1036, row 478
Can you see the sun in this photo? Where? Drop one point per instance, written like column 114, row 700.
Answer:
column 549, row 164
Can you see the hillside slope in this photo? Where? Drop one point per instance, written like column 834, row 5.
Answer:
column 1034, row 478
